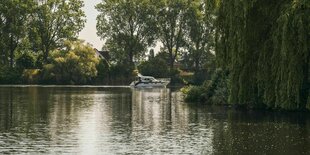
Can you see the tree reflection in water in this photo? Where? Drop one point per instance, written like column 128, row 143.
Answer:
column 99, row 120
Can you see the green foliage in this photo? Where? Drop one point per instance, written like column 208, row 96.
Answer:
column 218, row 88
column 171, row 21
column 292, row 46
column 103, row 69
column 121, row 74
column 205, row 72
column 214, row 91
column 128, row 26
column 199, row 77
column 55, row 21
column 10, row 75
column 156, row 67
column 31, row 76
column 30, row 25
column 159, row 67
column 265, row 46
column 48, row 75
column 13, row 26
column 75, row 64
column 200, row 32
column 308, row 103
column 39, row 61
column 176, row 79
column 25, row 60
column 194, row 93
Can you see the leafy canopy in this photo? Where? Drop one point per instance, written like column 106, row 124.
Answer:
column 127, row 26
column 74, row 64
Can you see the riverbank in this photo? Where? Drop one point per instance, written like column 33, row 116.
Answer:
column 38, row 77
column 218, row 91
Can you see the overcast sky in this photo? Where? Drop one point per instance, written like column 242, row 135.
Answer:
column 89, row 32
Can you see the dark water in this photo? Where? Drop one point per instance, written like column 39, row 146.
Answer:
column 55, row 120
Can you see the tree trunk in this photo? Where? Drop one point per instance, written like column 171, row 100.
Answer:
column 130, row 57
column 11, row 52
column 196, row 64
column 45, row 55
column 171, row 60
column 11, row 58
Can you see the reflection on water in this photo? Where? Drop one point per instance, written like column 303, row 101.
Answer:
column 162, row 121
column 53, row 120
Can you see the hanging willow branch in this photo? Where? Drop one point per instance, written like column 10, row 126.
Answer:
column 265, row 46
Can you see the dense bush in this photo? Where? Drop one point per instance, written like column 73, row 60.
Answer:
column 156, row 67
column 114, row 74
column 26, row 60
column 214, row 91
column 194, row 93
column 120, row 74
column 220, row 88
column 176, row 79
column 200, row 76
column 103, row 69
column 206, row 72
column 31, row 76
column 10, row 75
column 74, row 64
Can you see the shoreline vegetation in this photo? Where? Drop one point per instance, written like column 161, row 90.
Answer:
column 263, row 52
column 252, row 54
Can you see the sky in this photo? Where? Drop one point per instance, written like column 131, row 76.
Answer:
column 89, row 32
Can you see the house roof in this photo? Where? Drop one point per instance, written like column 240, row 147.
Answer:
column 103, row 54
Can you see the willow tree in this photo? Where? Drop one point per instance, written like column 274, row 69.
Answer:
column 291, row 39
column 128, row 27
column 55, row 21
column 265, row 46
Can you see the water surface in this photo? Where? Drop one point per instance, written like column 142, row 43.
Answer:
column 107, row 120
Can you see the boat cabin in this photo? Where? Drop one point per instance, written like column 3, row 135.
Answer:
column 146, row 79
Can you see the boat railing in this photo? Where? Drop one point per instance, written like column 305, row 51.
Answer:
column 164, row 79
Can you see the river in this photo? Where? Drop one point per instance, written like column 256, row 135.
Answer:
column 116, row 120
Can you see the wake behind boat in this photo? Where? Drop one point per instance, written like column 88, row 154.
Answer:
column 149, row 81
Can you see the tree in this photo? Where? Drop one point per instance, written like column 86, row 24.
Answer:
column 128, row 27
column 2, row 19
column 264, row 44
column 14, row 16
column 156, row 66
column 25, row 59
column 200, row 19
column 103, row 72
column 55, row 21
column 171, row 22
column 74, row 64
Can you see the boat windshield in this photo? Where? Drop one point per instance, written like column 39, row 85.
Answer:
column 154, row 80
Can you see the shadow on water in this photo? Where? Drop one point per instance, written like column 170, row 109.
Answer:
column 95, row 120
